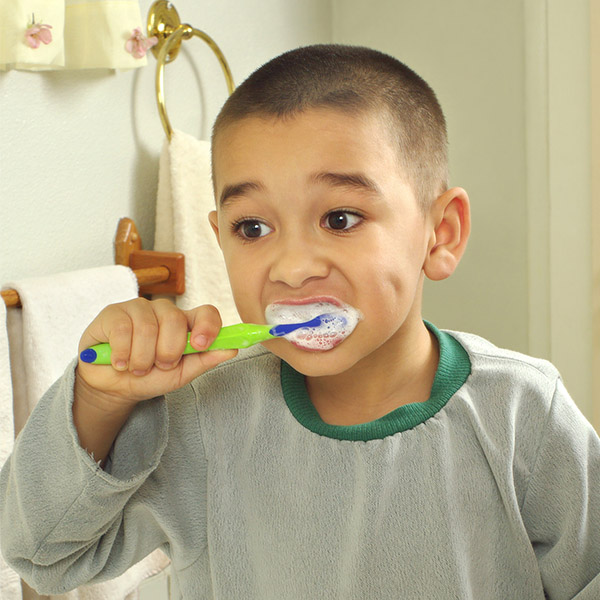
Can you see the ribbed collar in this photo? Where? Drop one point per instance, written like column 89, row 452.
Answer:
column 453, row 369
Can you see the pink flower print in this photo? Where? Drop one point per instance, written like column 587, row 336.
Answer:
column 37, row 34
column 138, row 44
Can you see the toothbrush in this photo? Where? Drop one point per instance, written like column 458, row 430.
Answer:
column 231, row 337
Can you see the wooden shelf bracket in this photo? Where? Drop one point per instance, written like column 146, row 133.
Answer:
column 157, row 272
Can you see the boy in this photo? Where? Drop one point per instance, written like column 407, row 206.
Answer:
column 405, row 462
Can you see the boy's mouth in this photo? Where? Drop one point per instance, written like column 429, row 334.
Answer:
column 329, row 334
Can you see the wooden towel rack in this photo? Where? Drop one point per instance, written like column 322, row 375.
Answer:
column 156, row 272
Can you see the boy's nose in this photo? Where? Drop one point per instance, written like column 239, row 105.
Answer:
column 295, row 263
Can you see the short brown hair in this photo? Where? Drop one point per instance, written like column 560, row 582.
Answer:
column 353, row 79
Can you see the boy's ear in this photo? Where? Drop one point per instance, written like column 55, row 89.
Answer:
column 214, row 223
column 450, row 216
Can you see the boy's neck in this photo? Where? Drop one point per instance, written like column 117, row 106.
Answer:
column 400, row 372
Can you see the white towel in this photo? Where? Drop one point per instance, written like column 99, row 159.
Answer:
column 44, row 335
column 10, row 584
column 185, row 197
column 44, row 338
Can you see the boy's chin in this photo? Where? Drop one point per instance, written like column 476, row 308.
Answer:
column 311, row 363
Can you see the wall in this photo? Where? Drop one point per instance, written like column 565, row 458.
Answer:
column 595, row 146
column 568, row 205
column 79, row 149
column 513, row 79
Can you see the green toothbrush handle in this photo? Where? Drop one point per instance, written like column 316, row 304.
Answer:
column 231, row 337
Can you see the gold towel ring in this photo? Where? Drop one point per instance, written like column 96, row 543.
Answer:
column 164, row 23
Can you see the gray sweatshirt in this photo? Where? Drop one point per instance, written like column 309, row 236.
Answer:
column 489, row 490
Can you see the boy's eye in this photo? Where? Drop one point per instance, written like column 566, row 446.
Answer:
column 250, row 229
column 340, row 220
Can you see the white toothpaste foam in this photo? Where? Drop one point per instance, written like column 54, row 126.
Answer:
column 326, row 336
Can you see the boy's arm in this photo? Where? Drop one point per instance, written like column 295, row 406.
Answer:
column 97, row 426
column 62, row 517
column 561, row 510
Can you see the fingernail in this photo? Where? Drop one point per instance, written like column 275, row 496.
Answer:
column 200, row 341
column 139, row 373
column 121, row 365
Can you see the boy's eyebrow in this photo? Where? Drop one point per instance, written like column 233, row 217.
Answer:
column 351, row 180
column 238, row 189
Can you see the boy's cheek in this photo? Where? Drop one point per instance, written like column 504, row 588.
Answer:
column 248, row 304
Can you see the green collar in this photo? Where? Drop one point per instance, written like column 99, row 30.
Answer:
column 453, row 369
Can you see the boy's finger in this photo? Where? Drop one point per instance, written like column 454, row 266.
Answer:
column 143, row 337
column 172, row 334
column 112, row 325
column 204, row 323
column 120, row 341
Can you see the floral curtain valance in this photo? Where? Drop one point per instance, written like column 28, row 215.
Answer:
column 41, row 35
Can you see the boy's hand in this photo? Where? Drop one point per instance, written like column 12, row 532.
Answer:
column 147, row 340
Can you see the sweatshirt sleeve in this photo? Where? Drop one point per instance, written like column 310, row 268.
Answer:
column 561, row 510
column 64, row 520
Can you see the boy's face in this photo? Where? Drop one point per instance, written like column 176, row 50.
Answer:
column 314, row 207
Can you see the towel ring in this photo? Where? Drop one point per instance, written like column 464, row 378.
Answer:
column 164, row 23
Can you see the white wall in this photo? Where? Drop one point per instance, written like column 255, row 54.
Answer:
column 79, row 149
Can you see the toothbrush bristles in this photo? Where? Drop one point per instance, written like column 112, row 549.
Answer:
column 325, row 319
